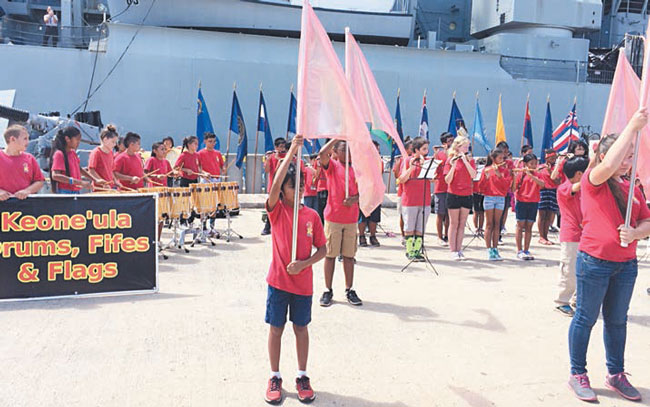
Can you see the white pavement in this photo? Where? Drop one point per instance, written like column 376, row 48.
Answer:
column 480, row 334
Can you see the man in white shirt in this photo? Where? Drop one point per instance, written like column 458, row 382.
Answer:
column 51, row 28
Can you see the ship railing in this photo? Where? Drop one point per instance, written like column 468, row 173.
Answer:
column 20, row 32
column 555, row 70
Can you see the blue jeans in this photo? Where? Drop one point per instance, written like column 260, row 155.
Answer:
column 311, row 202
column 606, row 283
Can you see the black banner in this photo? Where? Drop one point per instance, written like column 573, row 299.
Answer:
column 59, row 245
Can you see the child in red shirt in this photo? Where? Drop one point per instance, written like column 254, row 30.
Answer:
column 311, row 186
column 527, row 185
column 102, row 161
column 440, row 190
column 478, row 197
column 568, row 199
column 188, row 162
column 290, row 283
column 607, row 264
column 128, row 164
column 496, row 180
column 210, row 159
column 459, row 172
column 157, row 166
column 21, row 175
column 548, row 196
column 65, row 168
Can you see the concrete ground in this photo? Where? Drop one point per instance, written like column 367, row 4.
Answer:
column 479, row 334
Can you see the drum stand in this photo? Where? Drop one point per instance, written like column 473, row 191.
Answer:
column 201, row 235
column 229, row 232
column 178, row 238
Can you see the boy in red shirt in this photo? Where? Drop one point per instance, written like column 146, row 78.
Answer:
column 548, row 196
column 21, row 175
column 210, row 159
column 526, row 185
column 440, row 190
column 102, row 161
column 290, row 283
column 341, row 215
column 568, row 199
column 128, row 164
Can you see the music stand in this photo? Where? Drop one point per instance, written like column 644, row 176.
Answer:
column 426, row 174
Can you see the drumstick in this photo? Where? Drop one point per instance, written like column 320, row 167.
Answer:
column 150, row 173
column 156, row 183
column 102, row 189
column 129, row 189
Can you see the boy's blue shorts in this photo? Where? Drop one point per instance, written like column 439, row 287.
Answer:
column 277, row 303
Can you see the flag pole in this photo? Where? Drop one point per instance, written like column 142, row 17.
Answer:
column 234, row 86
column 257, row 136
column 286, row 136
column 474, row 132
column 347, row 169
column 296, row 206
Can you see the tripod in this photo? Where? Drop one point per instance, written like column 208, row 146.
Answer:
column 424, row 175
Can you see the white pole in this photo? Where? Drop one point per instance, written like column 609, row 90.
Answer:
column 296, row 207
column 347, row 171
column 630, row 194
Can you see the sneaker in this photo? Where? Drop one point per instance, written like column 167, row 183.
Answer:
column 566, row 310
column 340, row 258
column 501, row 239
column 461, row 256
column 445, row 239
column 362, row 241
column 374, row 242
column 305, row 392
column 352, row 297
column 454, row 256
column 491, row 254
column 442, row 243
column 497, row 256
column 326, row 298
column 579, row 383
column 274, row 391
column 553, row 229
column 529, row 256
column 403, row 242
column 622, row 386
column 521, row 255
column 266, row 231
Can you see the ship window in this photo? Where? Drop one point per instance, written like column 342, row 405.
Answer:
column 452, row 26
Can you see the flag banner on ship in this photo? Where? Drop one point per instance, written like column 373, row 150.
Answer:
column 203, row 122
column 327, row 109
column 500, row 132
column 527, row 137
column 424, row 120
column 455, row 119
column 263, row 125
column 238, row 127
column 478, row 132
column 566, row 131
column 400, row 131
column 62, row 245
column 365, row 90
column 547, row 139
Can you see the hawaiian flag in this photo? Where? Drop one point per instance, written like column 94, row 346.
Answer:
column 527, row 137
column 424, row 121
column 566, row 131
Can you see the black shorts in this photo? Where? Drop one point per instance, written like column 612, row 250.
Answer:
column 478, row 203
column 456, row 201
column 374, row 217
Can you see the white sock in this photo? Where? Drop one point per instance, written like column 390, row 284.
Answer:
column 276, row 374
column 301, row 373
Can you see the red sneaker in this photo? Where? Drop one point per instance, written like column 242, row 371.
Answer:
column 274, row 391
column 305, row 392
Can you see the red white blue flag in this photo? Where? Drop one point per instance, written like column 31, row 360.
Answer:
column 566, row 131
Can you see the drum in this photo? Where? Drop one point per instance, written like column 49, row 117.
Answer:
column 164, row 200
column 181, row 203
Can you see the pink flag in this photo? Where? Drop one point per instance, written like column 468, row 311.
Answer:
column 327, row 109
column 623, row 97
column 643, row 164
column 366, row 92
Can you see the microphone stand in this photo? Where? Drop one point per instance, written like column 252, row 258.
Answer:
column 424, row 207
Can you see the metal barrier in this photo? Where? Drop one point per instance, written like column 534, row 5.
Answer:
column 21, row 32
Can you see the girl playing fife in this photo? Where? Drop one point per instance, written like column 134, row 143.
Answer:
column 290, row 284
column 606, row 268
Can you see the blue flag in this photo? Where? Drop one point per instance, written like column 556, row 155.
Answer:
column 455, row 119
column 291, row 122
column 528, row 127
column 203, row 122
column 478, row 132
column 312, row 146
column 400, row 132
column 238, row 127
column 424, row 121
column 263, row 125
column 547, row 141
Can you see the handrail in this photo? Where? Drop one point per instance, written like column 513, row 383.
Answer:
column 22, row 32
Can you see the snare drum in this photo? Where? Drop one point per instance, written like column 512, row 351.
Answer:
column 164, row 200
column 181, row 202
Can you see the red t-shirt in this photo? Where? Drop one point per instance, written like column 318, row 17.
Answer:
column 322, row 178
column 102, row 163
column 311, row 187
column 563, row 177
column 162, row 166
column 18, row 172
column 211, row 161
column 130, row 165
column 58, row 164
column 545, row 175
column 335, row 211
column 188, row 161
column 493, row 185
column 416, row 192
column 569, row 204
column 527, row 189
column 601, row 219
column 461, row 184
column 440, row 185
column 310, row 233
